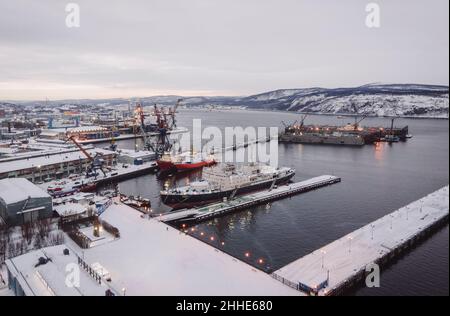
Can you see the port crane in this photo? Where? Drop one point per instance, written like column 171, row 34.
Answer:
column 358, row 118
column 391, row 137
column 165, row 121
column 302, row 121
column 96, row 162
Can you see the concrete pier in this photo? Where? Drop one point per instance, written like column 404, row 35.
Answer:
column 342, row 264
column 246, row 201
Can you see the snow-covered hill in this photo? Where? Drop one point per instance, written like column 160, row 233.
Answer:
column 374, row 100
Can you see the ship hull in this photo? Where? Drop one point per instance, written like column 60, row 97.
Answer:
column 165, row 165
column 178, row 201
column 191, row 166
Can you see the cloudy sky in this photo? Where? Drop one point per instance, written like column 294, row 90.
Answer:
column 126, row 48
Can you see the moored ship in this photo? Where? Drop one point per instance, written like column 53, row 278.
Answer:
column 225, row 182
column 185, row 162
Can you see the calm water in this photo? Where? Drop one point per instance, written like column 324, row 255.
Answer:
column 376, row 180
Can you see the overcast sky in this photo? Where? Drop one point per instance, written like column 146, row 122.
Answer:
column 126, row 48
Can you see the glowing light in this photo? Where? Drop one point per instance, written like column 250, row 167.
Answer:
column 247, row 254
column 212, row 238
column 260, row 261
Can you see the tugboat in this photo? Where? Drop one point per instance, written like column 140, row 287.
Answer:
column 226, row 182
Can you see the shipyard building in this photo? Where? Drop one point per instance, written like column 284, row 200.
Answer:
column 52, row 166
column 23, row 202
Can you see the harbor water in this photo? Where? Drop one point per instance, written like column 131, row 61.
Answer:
column 376, row 180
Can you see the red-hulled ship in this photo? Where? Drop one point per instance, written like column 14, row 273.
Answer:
column 185, row 162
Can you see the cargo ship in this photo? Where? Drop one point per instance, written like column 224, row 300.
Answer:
column 225, row 182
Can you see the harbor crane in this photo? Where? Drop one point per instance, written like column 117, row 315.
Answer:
column 160, row 143
column 96, row 162
column 173, row 111
column 302, row 121
column 358, row 117
column 391, row 137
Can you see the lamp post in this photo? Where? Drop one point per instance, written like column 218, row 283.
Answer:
column 323, row 257
column 40, row 172
column 350, row 244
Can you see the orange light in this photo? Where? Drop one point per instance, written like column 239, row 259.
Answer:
column 247, row 254
column 261, row 261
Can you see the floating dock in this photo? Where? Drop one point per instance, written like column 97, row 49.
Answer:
column 341, row 265
column 246, row 201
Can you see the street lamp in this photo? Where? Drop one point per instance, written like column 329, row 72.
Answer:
column 350, row 244
column 40, row 172
column 323, row 257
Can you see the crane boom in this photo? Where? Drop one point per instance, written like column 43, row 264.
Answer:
column 72, row 138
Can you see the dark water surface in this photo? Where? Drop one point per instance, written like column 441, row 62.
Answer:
column 376, row 180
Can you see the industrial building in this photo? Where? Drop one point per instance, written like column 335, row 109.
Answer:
column 23, row 202
column 134, row 157
column 56, row 166
column 81, row 133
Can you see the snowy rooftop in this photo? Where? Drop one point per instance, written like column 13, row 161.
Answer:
column 80, row 129
column 19, row 189
column 347, row 256
column 49, row 279
column 47, row 160
column 68, row 209
column 152, row 258
column 135, row 154
column 86, row 129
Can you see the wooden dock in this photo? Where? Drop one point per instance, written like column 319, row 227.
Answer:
column 342, row 264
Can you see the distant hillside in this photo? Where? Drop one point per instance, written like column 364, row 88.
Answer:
column 374, row 100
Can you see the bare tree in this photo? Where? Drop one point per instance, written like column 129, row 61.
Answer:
column 27, row 232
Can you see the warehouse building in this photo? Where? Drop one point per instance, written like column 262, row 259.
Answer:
column 38, row 169
column 23, row 202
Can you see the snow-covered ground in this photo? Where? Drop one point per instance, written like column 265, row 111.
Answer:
column 351, row 254
column 152, row 258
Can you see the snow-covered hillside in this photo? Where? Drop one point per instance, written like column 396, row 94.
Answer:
column 374, row 100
